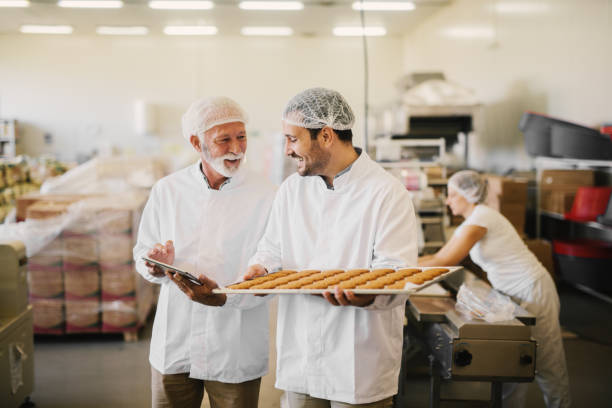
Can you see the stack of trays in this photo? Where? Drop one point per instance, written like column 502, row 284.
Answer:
column 359, row 281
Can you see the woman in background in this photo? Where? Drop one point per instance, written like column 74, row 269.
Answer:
column 494, row 245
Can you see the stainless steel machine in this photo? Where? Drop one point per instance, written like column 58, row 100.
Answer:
column 16, row 328
column 461, row 349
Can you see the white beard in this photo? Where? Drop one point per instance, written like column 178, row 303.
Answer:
column 218, row 164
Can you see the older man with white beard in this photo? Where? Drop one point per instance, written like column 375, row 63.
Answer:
column 209, row 217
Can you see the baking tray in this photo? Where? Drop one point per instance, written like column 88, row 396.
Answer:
column 408, row 288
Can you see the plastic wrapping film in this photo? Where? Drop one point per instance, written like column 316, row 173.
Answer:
column 17, row 356
column 476, row 299
column 83, row 279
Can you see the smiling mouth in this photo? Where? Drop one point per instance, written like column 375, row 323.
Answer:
column 232, row 162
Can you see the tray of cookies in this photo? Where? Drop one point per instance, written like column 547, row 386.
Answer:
column 359, row 281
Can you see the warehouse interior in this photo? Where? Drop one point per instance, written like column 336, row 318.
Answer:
column 92, row 105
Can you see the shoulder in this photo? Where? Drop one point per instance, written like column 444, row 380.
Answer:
column 382, row 181
column 259, row 182
column 174, row 179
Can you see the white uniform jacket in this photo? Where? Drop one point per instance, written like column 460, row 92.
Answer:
column 346, row 354
column 214, row 233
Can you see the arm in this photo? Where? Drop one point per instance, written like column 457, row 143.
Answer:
column 267, row 257
column 149, row 236
column 456, row 249
column 395, row 245
column 396, row 242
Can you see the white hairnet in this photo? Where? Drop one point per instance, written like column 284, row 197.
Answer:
column 470, row 185
column 316, row 108
column 207, row 113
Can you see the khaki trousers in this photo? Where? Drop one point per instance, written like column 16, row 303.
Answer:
column 180, row 391
column 298, row 400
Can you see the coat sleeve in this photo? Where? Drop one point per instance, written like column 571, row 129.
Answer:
column 268, row 252
column 395, row 243
column 148, row 235
column 239, row 301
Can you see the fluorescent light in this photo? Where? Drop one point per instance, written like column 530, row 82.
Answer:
column 111, row 30
column 181, row 5
column 46, row 29
column 359, row 31
column 271, row 5
column 90, row 3
column 383, row 5
column 190, row 30
column 271, row 31
column 14, row 3
column 521, row 8
column 470, row 32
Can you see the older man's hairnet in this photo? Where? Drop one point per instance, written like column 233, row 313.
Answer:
column 206, row 113
column 470, row 185
column 316, row 108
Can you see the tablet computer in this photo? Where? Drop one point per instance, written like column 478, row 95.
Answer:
column 174, row 269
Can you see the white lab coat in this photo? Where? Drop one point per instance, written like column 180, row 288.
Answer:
column 346, row 354
column 514, row 270
column 214, row 233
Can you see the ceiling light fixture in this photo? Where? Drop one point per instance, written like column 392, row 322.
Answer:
column 14, row 3
column 271, row 5
column 45, row 29
column 181, row 5
column 469, row 32
column 521, row 8
column 190, row 30
column 372, row 31
column 103, row 4
column 266, row 31
column 114, row 30
column 384, row 5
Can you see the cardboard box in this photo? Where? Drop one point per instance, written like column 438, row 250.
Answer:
column 49, row 256
column 506, row 190
column 25, row 201
column 48, row 316
column 118, row 281
column 542, row 249
column 82, row 316
column 46, row 209
column 515, row 213
column 119, row 315
column 553, row 178
column 115, row 248
column 79, row 250
column 82, row 283
column 558, row 201
column 46, row 282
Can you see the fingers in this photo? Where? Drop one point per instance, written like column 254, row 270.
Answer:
column 340, row 297
column 207, row 285
column 180, row 283
column 330, row 298
column 255, row 271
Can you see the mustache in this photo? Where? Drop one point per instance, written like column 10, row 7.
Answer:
column 232, row 156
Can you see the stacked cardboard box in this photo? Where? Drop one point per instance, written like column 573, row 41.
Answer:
column 85, row 280
column 509, row 197
column 46, row 289
column 558, row 188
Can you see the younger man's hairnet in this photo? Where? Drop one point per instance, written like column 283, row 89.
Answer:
column 206, row 113
column 470, row 185
column 316, row 108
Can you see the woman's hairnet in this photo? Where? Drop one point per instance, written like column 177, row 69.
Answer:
column 207, row 113
column 470, row 185
column 316, row 108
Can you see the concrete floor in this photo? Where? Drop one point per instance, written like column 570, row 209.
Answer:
column 102, row 371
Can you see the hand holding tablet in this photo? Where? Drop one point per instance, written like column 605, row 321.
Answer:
column 172, row 269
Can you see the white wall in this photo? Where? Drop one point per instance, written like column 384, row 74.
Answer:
column 557, row 61
column 81, row 89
